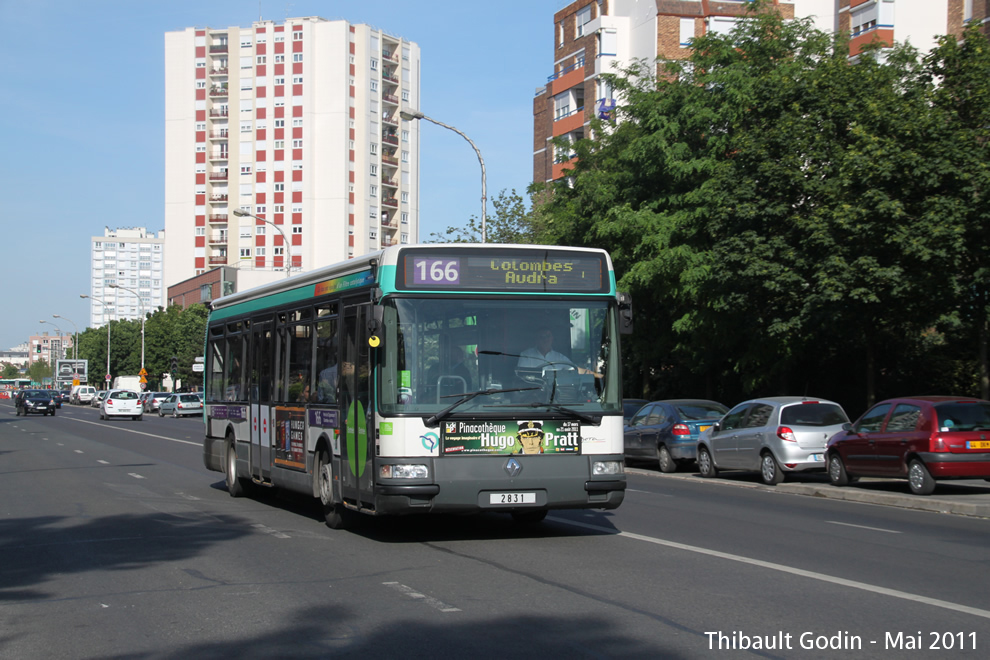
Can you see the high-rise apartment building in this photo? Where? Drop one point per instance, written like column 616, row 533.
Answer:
column 592, row 37
column 298, row 125
column 127, row 274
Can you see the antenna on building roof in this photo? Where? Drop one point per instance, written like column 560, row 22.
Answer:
column 288, row 7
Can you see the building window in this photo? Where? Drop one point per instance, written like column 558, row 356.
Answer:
column 245, row 253
column 405, row 218
column 374, row 86
column 405, row 136
column 374, row 64
column 297, row 57
column 259, row 251
column 297, row 144
column 373, row 191
column 583, row 18
column 297, row 80
column 279, row 187
column 374, row 170
column 297, row 230
column 405, row 198
column 374, row 148
column 279, row 59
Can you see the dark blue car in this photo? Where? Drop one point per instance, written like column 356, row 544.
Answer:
column 666, row 432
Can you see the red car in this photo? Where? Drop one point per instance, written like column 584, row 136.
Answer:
column 922, row 439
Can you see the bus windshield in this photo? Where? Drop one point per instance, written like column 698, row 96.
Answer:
column 525, row 356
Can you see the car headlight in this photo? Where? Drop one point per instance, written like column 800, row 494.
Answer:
column 404, row 471
column 606, row 467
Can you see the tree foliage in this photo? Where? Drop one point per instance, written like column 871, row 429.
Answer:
column 789, row 221
column 510, row 223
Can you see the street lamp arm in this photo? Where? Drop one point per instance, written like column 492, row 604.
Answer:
column 287, row 257
column 409, row 115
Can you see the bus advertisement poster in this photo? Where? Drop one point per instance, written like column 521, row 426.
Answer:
column 511, row 437
column 290, row 437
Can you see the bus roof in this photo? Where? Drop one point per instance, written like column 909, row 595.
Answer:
column 384, row 269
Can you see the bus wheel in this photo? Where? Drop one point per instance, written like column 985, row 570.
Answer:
column 334, row 512
column 235, row 486
column 529, row 517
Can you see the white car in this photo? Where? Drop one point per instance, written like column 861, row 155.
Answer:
column 121, row 403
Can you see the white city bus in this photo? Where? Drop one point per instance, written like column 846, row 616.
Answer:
column 413, row 380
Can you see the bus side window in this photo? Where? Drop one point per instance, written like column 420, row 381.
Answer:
column 326, row 361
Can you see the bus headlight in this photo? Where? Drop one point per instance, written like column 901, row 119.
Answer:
column 404, row 471
column 606, row 467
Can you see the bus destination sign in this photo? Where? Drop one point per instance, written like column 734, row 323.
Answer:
column 503, row 269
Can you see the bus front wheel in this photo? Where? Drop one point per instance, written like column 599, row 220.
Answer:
column 334, row 513
column 235, row 485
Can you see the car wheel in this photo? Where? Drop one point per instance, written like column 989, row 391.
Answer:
column 665, row 460
column 137, row 418
column 161, row 413
column 837, row 471
column 53, row 413
column 706, row 466
column 770, row 470
column 175, row 413
column 919, row 478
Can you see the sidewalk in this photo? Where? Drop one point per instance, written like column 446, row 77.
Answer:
column 965, row 497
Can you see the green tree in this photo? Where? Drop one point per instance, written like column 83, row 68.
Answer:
column 39, row 371
column 510, row 223
column 10, row 371
column 773, row 210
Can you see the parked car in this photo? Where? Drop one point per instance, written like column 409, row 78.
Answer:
column 180, row 404
column 82, row 394
column 152, row 400
column 666, row 432
column 97, row 400
column 62, row 396
column 921, row 439
column 774, row 435
column 37, row 402
column 630, row 407
column 121, row 403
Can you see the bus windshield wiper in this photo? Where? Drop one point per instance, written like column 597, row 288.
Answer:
column 584, row 417
column 433, row 420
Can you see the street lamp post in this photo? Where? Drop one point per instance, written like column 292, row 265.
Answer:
column 75, row 337
column 106, row 313
column 141, row 303
column 286, row 258
column 409, row 115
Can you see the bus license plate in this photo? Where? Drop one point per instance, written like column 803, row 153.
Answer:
column 512, row 498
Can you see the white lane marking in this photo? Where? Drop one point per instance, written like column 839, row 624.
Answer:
column 135, row 475
column 103, row 461
column 894, row 593
column 273, row 532
column 415, row 595
column 78, row 451
column 873, row 529
column 648, row 492
column 150, row 435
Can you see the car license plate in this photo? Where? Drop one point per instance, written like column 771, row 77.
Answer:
column 818, row 458
column 702, row 429
column 512, row 498
column 978, row 444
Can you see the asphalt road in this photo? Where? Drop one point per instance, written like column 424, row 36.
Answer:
column 116, row 542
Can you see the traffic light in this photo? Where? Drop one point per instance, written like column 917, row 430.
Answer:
column 175, row 364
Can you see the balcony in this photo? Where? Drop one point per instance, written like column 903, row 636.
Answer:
column 218, row 176
column 222, row 71
column 391, row 57
column 218, row 217
column 390, row 78
column 219, row 135
column 218, row 91
column 394, row 183
column 218, row 261
column 218, row 155
column 218, row 48
column 390, row 160
column 218, row 240
column 389, row 98
column 391, row 202
column 391, row 119
column 391, row 139
column 218, row 112
column 218, row 198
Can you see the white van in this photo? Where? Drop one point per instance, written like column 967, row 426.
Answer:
column 132, row 383
column 82, row 394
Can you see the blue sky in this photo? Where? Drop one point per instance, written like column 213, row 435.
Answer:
column 82, row 121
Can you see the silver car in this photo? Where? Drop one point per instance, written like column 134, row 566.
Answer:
column 773, row 435
column 181, row 404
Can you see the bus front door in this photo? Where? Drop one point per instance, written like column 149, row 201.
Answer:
column 356, row 448
column 262, row 373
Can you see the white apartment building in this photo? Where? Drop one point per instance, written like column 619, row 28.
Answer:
column 297, row 124
column 127, row 274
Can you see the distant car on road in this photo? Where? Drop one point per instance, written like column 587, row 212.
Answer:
column 97, row 399
column 922, row 439
column 773, row 435
column 121, row 403
column 666, row 432
column 152, row 400
column 181, row 404
column 82, row 394
column 37, row 402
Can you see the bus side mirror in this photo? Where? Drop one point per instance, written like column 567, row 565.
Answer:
column 625, row 314
column 375, row 326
